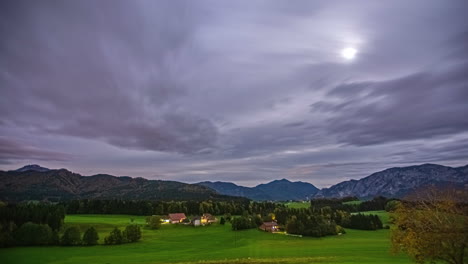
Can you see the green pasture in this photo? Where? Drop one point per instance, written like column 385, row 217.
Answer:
column 215, row 244
column 298, row 205
column 384, row 216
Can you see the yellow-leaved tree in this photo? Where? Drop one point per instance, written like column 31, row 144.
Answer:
column 432, row 226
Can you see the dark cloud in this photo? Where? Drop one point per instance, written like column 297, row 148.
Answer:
column 110, row 71
column 417, row 106
column 12, row 150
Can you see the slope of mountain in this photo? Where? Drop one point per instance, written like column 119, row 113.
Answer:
column 55, row 185
column 279, row 190
column 397, row 182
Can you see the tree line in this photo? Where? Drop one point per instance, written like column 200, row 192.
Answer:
column 144, row 208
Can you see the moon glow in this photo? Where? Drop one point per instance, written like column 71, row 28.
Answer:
column 348, row 53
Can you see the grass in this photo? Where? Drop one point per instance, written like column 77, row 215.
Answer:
column 298, row 205
column 384, row 216
column 214, row 244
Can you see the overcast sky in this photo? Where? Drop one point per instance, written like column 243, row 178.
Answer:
column 240, row 91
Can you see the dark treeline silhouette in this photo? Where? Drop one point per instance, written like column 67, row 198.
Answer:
column 38, row 213
column 30, row 224
column 146, row 208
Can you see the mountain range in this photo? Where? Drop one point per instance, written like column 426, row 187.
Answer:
column 33, row 182
column 397, row 182
column 278, row 190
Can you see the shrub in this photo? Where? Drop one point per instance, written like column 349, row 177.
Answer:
column 132, row 233
column 154, row 222
column 90, row 237
column 30, row 234
column 114, row 238
column 71, row 236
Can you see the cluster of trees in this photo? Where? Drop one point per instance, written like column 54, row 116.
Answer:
column 30, row 224
column 72, row 237
column 308, row 222
column 311, row 225
column 132, row 233
column 31, row 234
column 246, row 222
column 363, row 222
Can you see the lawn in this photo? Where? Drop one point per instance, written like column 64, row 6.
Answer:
column 384, row 216
column 210, row 244
column 298, row 205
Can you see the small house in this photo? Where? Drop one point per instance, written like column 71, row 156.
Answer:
column 176, row 218
column 270, row 227
column 207, row 219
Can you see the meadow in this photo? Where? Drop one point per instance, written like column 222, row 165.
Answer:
column 210, row 244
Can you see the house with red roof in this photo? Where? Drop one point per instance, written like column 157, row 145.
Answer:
column 176, row 218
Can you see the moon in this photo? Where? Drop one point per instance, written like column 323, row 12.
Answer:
column 348, row 53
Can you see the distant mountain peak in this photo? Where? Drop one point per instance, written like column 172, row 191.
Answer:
column 32, row 167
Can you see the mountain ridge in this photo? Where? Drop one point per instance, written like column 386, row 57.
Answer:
column 397, row 181
column 276, row 190
column 61, row 184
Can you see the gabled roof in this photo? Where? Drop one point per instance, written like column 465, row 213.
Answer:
column 177, row 216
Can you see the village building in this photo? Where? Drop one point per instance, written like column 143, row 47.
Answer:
column 270, row 227
column 208, row 219
column 176, row 218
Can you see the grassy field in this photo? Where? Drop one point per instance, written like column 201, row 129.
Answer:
column 210, row 244
column 298, row 205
